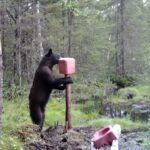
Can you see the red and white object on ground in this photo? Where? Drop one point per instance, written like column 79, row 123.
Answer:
column 67, row 67
column 106, row 138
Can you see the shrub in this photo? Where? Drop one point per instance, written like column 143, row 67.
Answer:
column 123, row 81
column 128, row 93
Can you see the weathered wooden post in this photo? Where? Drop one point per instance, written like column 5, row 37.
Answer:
column 67, row 67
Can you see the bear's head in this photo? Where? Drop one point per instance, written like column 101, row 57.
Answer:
column 51, row 58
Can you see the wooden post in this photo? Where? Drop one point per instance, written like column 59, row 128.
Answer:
column 68, row 106
column 67, row 67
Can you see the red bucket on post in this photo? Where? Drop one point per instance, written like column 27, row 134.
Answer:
column 67, row 67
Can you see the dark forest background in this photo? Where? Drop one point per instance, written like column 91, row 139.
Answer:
column 108, row 38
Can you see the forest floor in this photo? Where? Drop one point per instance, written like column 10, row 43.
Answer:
column 85, row 119
column 54, row 138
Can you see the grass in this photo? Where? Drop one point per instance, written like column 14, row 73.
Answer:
column 141, row 94
column 8, row 142
column 55, row 113
column 16, row 116
column 125, row 123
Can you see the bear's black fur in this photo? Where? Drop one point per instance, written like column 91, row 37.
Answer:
column 43, row 84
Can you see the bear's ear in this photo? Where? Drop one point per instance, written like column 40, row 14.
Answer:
column 49, row 52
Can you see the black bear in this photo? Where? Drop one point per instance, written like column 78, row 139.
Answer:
column 43, row 84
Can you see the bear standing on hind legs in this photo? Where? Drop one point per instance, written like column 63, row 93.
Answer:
column 43, row 84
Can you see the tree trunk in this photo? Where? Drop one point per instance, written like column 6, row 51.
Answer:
column 1, row 85
column 1, row 60
column 70, row 28
column 120, row 47
column 63, row 25
column 17, row 70
column 117, row 41
column 18, row 47
column 39, row 35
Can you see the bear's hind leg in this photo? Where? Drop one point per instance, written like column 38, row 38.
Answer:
column 37, row 115
column 43, row 115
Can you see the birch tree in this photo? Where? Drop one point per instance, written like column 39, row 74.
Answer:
column 39, row 35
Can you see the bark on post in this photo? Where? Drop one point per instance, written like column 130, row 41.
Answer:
column 68, row 106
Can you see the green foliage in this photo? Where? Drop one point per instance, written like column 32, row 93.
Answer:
column 17, row 122
column 125, row 123
column 140, row 94
column 146, row 143
column 14, row 92
column 16, row 113
column 123, row 81
column 125, row 93
column 8, row 142
column 55, row 113
column 94, row 27
column 91, row 90
column 143, row 89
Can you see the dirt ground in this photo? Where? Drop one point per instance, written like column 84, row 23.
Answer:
column 54, row 138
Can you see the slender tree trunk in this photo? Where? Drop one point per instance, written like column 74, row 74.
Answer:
column 70, row 29
column 39, row 35
column 63, row 25
column 14, row 65
column 28, row 67
column 1, row 84
column 122, row 46
column 2, row 20
column 117, row 42
column 18, row 43
column 19, row 46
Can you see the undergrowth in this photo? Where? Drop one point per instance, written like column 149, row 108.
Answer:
column 16, row 116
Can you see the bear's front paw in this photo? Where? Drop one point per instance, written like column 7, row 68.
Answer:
column 68, row 80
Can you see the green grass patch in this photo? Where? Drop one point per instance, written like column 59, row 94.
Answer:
column 125, row 123
column 16, row 116
column 140, row 94
column 146, row 142
column 143, row 89
column 8, row 142
column 55, row 113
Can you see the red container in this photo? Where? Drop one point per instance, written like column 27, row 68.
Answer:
column 66, row 66
column 104, row 137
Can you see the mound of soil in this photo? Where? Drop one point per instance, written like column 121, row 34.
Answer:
column 54, row 138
